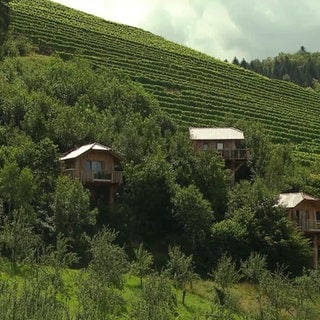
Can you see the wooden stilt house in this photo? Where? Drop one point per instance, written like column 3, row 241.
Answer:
column 228, row 142
column 95, row 166
column 304, row 210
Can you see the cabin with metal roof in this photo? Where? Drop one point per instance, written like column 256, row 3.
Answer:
column 304, row 210
column 95, row 166
column 228, row 142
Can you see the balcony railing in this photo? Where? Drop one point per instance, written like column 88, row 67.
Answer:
column 234, row 154
column 309, row 225
column 91, row 176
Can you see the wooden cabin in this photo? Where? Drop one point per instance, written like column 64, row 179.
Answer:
column 304, row 210
column 95, row 166
column 228, row 142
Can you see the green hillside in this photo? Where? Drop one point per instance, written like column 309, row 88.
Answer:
column 197, row 90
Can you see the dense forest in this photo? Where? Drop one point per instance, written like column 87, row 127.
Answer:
column 176, row 218
column 302, row 67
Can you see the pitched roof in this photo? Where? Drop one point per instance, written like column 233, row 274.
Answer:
column 83, row 149
column 215, row 134
column 291, row 200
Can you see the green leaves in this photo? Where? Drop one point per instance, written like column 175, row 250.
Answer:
column 109, row 261
column 16, row 186
column 142, row 265
column 193, row 214
column 181, row 269
column 72, row 213
column 155, row 300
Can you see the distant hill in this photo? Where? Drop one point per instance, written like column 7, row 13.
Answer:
column 195, row 89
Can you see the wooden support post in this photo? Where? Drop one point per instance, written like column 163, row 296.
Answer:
column 234, row 168
column 112, row 193
column 315, row 250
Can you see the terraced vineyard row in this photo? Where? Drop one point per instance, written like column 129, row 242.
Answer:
column 197, row 90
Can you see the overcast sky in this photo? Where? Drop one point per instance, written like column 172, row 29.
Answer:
column 221, row 28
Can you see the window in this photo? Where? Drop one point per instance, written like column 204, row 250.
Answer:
column 205, row 146
column 318, row 216
column 220, row 146
column 88, row 165
column 95, row 166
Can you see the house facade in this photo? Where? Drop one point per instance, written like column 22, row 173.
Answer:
column 95, row 166
column 228, row 142
column 304, row 210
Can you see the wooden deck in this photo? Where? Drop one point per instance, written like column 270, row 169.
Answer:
column 114, row 177
column 309, row 226
column 234, row 154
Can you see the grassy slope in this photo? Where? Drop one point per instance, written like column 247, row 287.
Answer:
column 197, row 90
column 198, row 300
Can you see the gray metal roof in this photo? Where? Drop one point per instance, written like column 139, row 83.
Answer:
column 83, row 149
column 215, row 134
column 291, row 200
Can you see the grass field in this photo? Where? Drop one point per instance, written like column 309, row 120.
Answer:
column 198, row 303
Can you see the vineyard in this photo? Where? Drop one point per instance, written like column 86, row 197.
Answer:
column 195, row 89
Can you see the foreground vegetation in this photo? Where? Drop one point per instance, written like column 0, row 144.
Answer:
column 109, row 289
column 194, row 89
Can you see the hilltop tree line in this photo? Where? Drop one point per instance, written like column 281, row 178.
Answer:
column 302, row 67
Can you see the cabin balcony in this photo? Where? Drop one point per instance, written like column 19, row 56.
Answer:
column 234, row 154
column 309, row 226
column 89, row 176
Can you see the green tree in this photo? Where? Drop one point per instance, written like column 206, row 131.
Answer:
column 209, row 175
column 109, row 261
column 235, row 61
column 17, row 186
column 72, row 212
column 18, row 238
column 193, row 214
column 225, row 275
column 255, row 223
column 99, row 286
column 181, row 269
column 277, row 288
column 281, row 170
column 306, row 288
column 244, row 63
column 59, row 258
column 155, row 300
column 259, row 145
column 147, row 198
column 182, row 156
column 98, row 301
column 142, row 265
column 254, row 267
